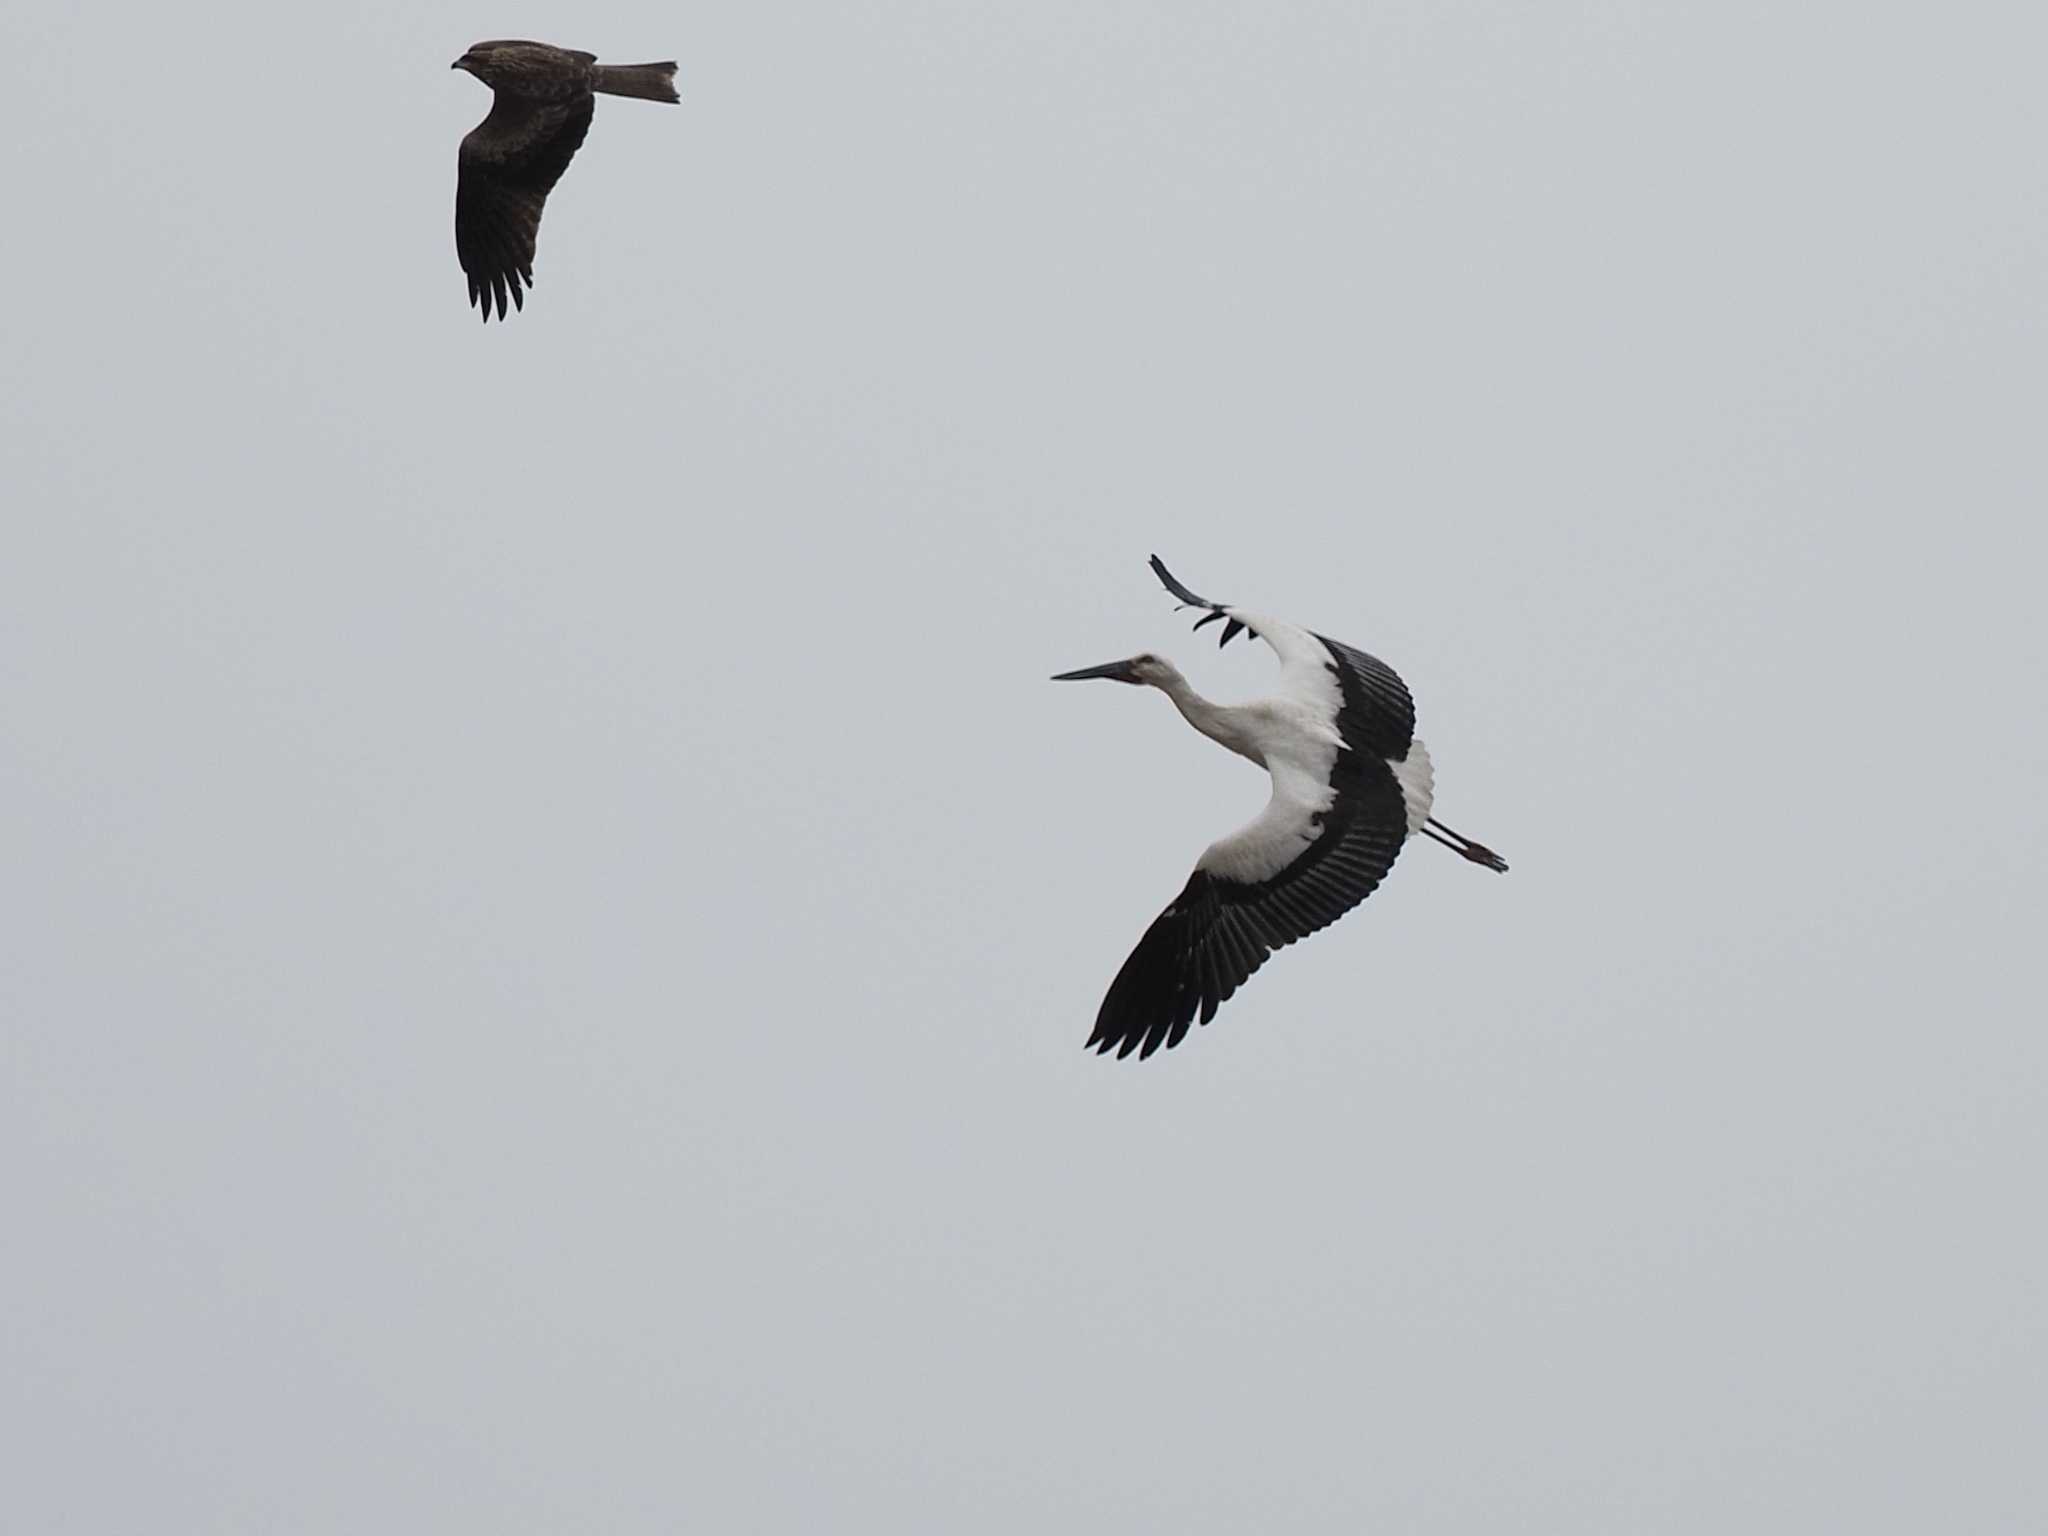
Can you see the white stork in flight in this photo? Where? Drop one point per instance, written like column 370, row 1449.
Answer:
column 1350, row 785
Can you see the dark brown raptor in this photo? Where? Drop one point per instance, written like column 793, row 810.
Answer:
column 542, row 98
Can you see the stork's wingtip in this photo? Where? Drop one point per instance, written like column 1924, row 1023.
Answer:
column 1165, row 576
column 1173, row 585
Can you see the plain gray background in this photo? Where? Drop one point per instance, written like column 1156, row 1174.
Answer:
column 550, row 912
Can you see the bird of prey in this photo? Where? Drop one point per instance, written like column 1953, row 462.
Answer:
column 1351, row 784
column 540, row 110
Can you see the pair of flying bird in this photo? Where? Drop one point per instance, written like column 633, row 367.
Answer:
column 1351, row 783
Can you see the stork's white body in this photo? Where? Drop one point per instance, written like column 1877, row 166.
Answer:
column 1351, row 784
column 1293, row 735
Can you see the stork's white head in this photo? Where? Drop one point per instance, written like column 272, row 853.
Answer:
column 1145, row 670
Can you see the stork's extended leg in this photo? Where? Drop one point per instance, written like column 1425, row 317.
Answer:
column 1463, row 846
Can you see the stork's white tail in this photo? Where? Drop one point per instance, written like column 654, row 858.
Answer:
column 650, row 82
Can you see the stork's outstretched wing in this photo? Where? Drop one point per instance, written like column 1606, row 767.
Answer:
column 1379, row 715
column 1376, row 713
column 507, row 166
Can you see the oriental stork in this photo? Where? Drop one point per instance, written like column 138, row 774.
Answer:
column 1351, row 784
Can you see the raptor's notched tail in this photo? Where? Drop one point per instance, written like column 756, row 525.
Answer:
column 650, row 82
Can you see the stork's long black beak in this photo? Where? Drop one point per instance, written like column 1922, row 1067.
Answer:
column 1115, row 671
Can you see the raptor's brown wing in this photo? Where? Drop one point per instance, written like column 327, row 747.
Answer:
column 508, row 164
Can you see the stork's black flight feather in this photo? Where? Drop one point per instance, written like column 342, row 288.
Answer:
column 1232, row 625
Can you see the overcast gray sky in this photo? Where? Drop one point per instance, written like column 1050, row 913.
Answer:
column 548, row 912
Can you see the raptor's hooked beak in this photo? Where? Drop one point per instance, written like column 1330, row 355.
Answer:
column 461, row 63
column 1115, row 671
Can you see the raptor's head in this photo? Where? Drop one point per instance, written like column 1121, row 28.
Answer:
column 490, row 62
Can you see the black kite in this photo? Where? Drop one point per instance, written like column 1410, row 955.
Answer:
column 540, row 110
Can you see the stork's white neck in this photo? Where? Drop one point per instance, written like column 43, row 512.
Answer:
column 1218, row 722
